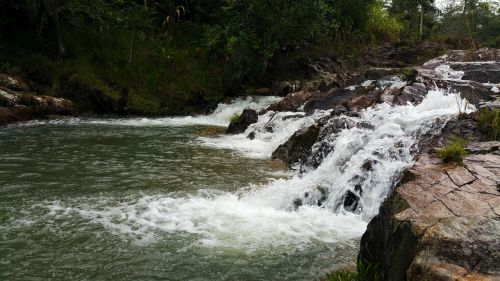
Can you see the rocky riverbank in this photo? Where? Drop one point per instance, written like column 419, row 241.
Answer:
column 19, row 103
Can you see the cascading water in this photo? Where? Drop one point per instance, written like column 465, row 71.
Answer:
column 174, row 210
column 264, row 215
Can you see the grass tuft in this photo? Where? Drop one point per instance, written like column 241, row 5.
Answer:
column 453, row 152
column 235, row 118
column 489, row 123
column 364, row 273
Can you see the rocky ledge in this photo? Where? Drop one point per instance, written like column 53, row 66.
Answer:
column 442, row 222
column 19, row 103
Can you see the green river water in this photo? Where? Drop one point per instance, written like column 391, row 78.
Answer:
column 83, row 201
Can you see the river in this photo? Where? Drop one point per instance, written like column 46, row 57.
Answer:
column 169, row 199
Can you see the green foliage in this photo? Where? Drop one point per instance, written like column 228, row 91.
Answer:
column 235, row 118
column 452, row 152
column 489, row 123
column 381, row 25
column 477, row 21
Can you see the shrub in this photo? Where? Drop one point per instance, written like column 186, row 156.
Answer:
column 452, row 152
column 489, row 122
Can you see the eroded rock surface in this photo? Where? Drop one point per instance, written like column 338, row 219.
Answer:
column 442, row 222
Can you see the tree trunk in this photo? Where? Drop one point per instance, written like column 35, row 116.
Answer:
column 54, row 29
column 421, row 22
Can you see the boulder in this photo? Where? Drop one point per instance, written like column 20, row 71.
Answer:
column 350, row 202
column 440, row 223
column 247, row 118
column 298, row 147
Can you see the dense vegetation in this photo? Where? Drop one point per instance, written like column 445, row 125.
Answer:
column 180, row 56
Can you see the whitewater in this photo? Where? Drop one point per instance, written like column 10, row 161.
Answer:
column 260, row 216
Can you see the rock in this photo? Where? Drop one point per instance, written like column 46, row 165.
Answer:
column 12, row 83
column 295, row 116
column 19, row 105
column 351, row 202
column 284, row 88
column 405, row 74
column 483, row 147
column 291, row 102
column 482, row 73
column 247, row 118
column 413, row 94
column 8, row 97
column 251, row 136
column 298, row 147
column 483, row 54
column 329, row 100
column 440, row 223
column 400, row 56
column 358, row 103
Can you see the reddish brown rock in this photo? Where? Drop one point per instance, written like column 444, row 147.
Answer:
column 291, row 102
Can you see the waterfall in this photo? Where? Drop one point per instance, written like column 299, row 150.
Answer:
column 269, row 215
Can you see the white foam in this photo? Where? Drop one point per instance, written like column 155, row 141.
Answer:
column 259, row 217
column 265, row 142
column 220, row 117
column 445, row 72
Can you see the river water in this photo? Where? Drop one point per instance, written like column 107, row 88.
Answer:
column 170, row 199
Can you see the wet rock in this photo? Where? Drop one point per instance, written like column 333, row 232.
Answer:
column 483, row 73
column 298, row 147
column 247, row 118
column 413, row 94
column 251, row 135
column 440, row 223
column 295, row 116
column 351, row 202
column 297, row 202
column 329, row 100
column 368, row 165
column 291, row 102
column 358, row 103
